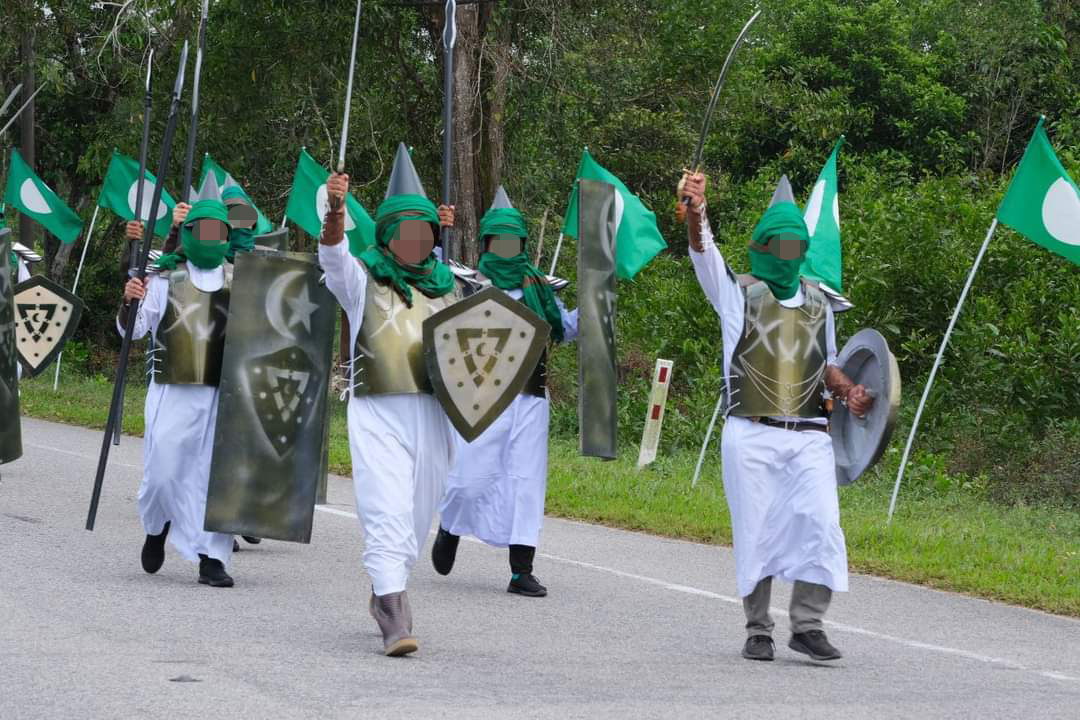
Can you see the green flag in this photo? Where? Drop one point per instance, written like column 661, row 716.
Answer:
column 823, row 261
column 308, row 205
column 225, row 180
column 28, row 194
column 637, row 239
column 1042, row 201
column 120, row 191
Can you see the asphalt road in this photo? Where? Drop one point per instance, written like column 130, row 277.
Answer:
column 634, row 626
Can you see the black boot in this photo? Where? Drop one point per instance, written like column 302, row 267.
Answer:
column 251, row 540
column 444, row 551
column 235, row 545
column 212, row 573
column 815, row 644
column 153, row 551
column 522, row 581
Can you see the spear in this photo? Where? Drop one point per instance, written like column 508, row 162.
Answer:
column 449, row 39
column 21, row 108
column 10, row 98
column 193, row 128
column 133, row 309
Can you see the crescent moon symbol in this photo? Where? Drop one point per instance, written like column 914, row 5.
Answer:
column 480, row 350
column 275, row 303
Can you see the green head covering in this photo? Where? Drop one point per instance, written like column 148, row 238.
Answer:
column 240, row 239
column 782, row 276
column 199, row 254
column 430, row 276
column 517, row 271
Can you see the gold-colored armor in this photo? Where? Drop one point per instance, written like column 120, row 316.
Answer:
column 389, row 355
column 191, row 336
column 778, row 369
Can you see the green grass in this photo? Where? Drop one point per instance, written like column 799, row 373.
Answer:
column 946, row 534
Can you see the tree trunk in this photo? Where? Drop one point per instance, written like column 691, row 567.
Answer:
column 466, row 136
column 26, row 127
column 498, row 55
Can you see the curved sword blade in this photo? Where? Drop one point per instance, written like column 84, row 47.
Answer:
column 348, row 91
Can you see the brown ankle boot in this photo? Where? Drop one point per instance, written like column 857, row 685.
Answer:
column 394, row 616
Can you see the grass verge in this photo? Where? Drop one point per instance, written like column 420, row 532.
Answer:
column 946, row 534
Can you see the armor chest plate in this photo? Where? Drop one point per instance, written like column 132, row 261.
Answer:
column 191, row 337
column 779, row 364
column 389, row 355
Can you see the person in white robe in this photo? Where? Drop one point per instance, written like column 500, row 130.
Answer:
column 779, row 354
column 180, row 418
column 496, row 489
column 400, row 439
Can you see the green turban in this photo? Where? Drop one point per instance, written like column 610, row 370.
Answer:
column 199, row 254
column 430, row 276
column 240, row 239
column 782, row 276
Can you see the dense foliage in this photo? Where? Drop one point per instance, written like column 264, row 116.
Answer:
column 937, row 99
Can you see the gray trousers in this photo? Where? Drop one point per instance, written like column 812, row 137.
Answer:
column 809, row 602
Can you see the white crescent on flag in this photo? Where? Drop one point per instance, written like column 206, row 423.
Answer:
column 1061, row 212
column 148, row 197
column 32, row 198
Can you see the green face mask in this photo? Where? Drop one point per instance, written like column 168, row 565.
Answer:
column 782, row 220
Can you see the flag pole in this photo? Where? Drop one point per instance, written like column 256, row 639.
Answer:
column 75, row 286
column 937, row 363
column 555, row 258
column 708, row 436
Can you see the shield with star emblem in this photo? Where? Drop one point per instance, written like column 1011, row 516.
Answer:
column 46, row 315
column 10, row 430
column 269, row 453
column 480, row 352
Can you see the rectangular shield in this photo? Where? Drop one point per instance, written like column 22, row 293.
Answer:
column 269, row 444
column 10, row 428
column 597, row 378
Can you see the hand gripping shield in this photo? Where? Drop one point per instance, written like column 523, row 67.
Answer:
column 858, row 443
column 46, row 315
column 480, row 352
column 269, row 442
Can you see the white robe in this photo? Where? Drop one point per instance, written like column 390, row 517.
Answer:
column 401, row 447
column 495, row 491
column 179, row 441
column 780, row 484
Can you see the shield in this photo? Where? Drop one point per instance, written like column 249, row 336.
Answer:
column 10, row 428
column 480, row 352
column 858, row 443
column 269, row 449
column 46, row 315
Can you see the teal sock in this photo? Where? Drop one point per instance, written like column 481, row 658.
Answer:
column 515, row 576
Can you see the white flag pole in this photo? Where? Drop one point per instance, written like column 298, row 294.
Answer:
column 555, row 259
column 708, row 436
column 937, row 363
column 75, row 286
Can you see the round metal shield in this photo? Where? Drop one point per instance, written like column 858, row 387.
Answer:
column 859, row 442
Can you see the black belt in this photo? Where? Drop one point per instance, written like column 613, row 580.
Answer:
column 798, row 425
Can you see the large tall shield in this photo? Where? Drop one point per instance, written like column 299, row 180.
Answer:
column 480, row 352
column 46, row 316
column 10, row 428
column 859, row 442
column 269, row 443
column 597, row 377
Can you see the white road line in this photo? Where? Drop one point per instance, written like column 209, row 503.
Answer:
column 843, row 627
column 78, row 455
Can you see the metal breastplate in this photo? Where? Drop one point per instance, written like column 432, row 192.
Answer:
column 779, row 364
column 389, row 356
column 191, row 336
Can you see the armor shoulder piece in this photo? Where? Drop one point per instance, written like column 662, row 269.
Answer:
column 25, row 254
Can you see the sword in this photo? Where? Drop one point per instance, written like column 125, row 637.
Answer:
column 193, row 129
column 695, row 165
column 449, row 40
column 133, row 310
column 335, row 202
column 21, row 108
column 10, row 99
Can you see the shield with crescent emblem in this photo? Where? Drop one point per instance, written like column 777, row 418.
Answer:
column 269, row 451
column 859, row 442
column 480, row 353
column 46, row 315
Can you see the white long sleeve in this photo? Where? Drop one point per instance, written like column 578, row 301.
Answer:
column 346, row 280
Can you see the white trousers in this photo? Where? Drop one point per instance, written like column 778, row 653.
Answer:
column 401, row 447
column 785, row 513
column 177, row 449
column 495, row 491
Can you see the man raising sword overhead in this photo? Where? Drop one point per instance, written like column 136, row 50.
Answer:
column 779, row 357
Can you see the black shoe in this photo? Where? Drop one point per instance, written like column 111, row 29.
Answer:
column 526, row 585
column 815, row 644
column 212, row 573
column 758, row 647
column 251, row 540
column 235, row 545
column 444, row 551
column 153, row 551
